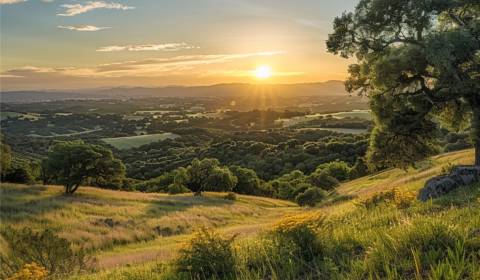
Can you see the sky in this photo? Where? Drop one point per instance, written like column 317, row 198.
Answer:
column 70, row 44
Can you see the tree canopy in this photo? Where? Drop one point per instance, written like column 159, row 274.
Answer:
column 419, row 63
column 73, row 163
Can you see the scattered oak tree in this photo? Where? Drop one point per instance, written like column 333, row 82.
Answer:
column 419, row 63
column 208, row 175
column 73, row 163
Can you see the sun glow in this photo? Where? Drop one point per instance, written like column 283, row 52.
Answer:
column 263, row 72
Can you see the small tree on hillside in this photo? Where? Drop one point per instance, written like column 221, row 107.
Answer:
column 418, row 62
column 73, row 163
column 208, row 175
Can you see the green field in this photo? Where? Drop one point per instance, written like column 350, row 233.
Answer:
column 123, row 143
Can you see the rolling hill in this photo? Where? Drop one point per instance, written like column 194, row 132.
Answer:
column 147, row 229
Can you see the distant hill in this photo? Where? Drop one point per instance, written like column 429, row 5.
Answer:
column 329, row 88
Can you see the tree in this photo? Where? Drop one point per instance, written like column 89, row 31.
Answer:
column 208, row 175
column 419, row 63
column 73, row 163
column 5, row 158
column 310, row 197
column 322, row 179
column 248, row 181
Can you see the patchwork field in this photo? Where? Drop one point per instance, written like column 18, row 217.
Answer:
column 123, row 143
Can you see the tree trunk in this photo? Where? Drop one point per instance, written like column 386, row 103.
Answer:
column 476, row 132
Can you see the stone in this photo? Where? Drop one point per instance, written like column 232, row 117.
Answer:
column 441, row 185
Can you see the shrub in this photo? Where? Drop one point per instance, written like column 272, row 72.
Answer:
column 20, row 174
column 44, row 248
column 300, row 230
column 230, row 196
column 31, row 271
column 177, row 189
column 339, row 170
column 392, row 197
column 207, row 255
column 310, row 197
column 321, row 179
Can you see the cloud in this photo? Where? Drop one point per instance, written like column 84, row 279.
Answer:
column 148, row 47
column 155, row 67
column 3, row 2
column 83, row 27
column 76, row 9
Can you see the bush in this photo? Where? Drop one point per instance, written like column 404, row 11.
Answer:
column 206, row 256
column 337, row 169
column 310, row 197
column 177, row 189
column 321, row 179
column 230, row 196
column 45, row 248
column 31, row 271
column 20, row 174
column 392, row 197
column 300, row 230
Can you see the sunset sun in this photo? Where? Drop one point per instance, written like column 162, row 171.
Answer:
column 263, row 72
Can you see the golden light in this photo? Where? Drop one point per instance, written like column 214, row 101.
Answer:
column 263, row 72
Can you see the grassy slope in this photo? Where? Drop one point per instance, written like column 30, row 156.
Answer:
column 410, row 180
column 126, row 227
column 247, row 215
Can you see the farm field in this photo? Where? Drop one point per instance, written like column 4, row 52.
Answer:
column 123, row 143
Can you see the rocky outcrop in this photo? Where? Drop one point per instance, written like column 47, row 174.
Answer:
column 459, row 176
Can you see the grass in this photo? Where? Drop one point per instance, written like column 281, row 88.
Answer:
column 127, row 227
column 439, row 239
column 123, row 143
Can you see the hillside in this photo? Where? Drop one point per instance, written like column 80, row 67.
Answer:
column 126, row 227
column 147, row 229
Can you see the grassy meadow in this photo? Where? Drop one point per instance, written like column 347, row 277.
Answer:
column 126, row 227
column 350, row 236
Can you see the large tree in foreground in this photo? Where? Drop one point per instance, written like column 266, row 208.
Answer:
column 419, row 63
column 74, row 163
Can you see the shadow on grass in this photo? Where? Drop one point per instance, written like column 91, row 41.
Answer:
column 20, row 202
column 176, row 203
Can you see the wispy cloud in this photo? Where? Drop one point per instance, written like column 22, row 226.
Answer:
column 155, row 67
column 76, row 9
column 83, row 27
column 149, row 47
column 4, row 2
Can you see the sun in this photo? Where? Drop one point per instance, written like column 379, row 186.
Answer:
column 263, row 72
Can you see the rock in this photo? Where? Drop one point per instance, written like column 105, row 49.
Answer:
column 460, row 176
column 436, row 187
column 466, row 175
column 109, row 222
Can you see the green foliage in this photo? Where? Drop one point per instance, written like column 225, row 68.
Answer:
column 322, row 179
column 5, row 158
column 310, row 197
column 208, row 255
column 416, row 62
column 248, row 181
column 44, row 248
column 177, row 189
column 73, row 163
column 339, row 170
column 20, row 173
column 207, row 175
